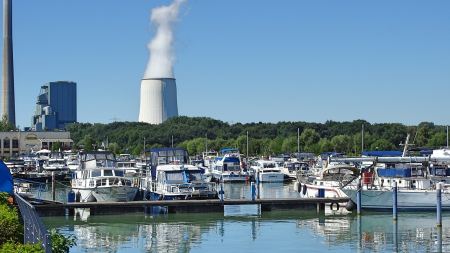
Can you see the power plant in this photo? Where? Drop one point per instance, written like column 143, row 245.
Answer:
column 158, row 87
column 8, row 108
column 158, row 100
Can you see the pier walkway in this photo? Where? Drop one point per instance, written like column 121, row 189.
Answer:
column 187, row 206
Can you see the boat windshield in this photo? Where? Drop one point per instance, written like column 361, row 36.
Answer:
column 194, row 175
column 174, row 177
column 269, row 165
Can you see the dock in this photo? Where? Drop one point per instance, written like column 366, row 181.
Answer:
column 186, row 206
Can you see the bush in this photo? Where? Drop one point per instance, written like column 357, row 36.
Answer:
column 11, row 229
column 11, row 247
column 61, row 243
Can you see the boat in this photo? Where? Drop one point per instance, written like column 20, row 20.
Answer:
column 172, row 177
column 98, row 179
column 267, row 171
column 416, row 186
column 329, row 181
column 291, row 168
column 227, row 167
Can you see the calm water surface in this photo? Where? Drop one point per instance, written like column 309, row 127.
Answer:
column 246, row 229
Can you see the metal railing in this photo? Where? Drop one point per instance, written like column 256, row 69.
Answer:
column 34, row 230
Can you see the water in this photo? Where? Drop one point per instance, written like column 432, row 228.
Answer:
column 246, row 229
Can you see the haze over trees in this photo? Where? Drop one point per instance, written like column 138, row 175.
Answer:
column 195, row 133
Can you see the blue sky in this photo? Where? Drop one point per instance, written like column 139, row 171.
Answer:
column 244, row 61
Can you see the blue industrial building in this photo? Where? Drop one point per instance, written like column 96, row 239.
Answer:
column 56, row 106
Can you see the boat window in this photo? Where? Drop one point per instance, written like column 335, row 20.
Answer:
column 96, row 173
column 107, row 173
column 118, row 173
column 269, row 165
column 194, row 176
column 174, row 177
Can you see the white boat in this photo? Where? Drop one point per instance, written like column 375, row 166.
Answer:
column 172, row 177
column 416, row 187
column 292, row 168
column 267, row 171
column 329, row 182
column 99, row 179
column 227, row 166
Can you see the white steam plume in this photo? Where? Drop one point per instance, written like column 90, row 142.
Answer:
column 160, row 64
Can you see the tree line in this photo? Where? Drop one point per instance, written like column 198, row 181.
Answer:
column 197, row 134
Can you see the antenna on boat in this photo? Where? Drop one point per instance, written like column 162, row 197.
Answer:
column 298, row 142
column 447, row 136
column 405, row 148
column 247, row 147
column 362, row 138
column 206, row 143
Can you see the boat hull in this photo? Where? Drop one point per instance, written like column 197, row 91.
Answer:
column 271, row 177
column 412, row 200
column 107, row 194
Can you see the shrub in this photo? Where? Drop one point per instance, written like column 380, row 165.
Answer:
column 11, row 247
column 61, row 243
column 11, row 229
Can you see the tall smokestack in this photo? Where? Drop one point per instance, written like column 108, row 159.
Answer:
column 9, row 110
column 158, row 87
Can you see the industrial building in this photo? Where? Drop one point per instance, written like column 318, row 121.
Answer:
column 56, row 106
column 20, row 142
column 8, row 105
column 158, row 100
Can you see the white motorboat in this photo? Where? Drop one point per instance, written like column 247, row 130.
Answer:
column 172, row 177
column 329, row 182
column 267, row 171
column 292, row 168
column 98, row 179
column 227, row 166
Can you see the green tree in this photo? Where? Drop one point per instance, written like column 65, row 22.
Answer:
column 438, row 139
column 309, row 138
column 289, row 145
column 325, row 145
column 423, row 135
column 382, row 144
column 114, row 147
column 342, row 143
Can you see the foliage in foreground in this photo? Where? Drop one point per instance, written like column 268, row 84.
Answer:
column 11, row 229
column 11, row 247
column 61, row 243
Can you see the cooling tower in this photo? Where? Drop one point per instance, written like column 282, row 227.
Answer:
column 158, row 100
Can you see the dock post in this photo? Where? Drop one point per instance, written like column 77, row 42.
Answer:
column 358, row 197
column 221, row 192
column 253, row 190
column 53, row 186
column 321, row 194
column 439, row 204
column 258, row 186
column 394, row 201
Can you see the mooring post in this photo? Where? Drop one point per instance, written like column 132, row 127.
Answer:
column 53, row 186
column 221, row 192
column 321, row 194
column 394, row 201
column 253, row 190
column 258, row 185
column 358, row 197
column 439, row 204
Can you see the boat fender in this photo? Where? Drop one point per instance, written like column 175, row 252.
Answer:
column 350, row 205
column 304, row 189
column 299, row 187
column 334, row 204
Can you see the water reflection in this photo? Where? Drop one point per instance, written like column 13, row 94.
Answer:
column 247, row 229
column 379, row 233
